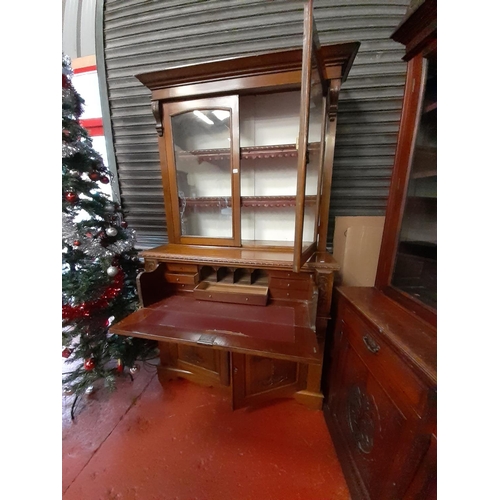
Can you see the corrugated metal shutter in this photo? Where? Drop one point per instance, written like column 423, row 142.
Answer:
column 141, row 36
column 78, row 28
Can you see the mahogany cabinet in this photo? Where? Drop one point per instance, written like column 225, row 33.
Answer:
column 241, row 295
column 381, row 383
column 381, row 399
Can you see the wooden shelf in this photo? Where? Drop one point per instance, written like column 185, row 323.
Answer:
column 246, row 153
column 424, row 162
column 246, row 201
column 419, row 248
column 431, row 106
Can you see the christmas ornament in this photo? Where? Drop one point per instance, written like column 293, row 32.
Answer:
column 104, row 180
column 67, row 391
column 71, row 196
column 89, row 390
column 111, row 231
column 112, row 271
column 89, row 364
column 95, row 175
column 77, row 243
column 124, row 224
column 134, row 369
column 119, row 366
column 66, row 352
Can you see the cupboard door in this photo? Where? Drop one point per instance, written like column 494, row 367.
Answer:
column 203, row 171
column 371, row 423
column 203, row 365
column 256, row 379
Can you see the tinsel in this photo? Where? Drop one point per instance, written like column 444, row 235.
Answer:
column 90, row 242
column 66, row 66
column 69, row 150
column 87, row 308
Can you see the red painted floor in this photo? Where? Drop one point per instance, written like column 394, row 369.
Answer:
column 143, row 442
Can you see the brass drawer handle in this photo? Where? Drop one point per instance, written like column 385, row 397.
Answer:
column 371, row 345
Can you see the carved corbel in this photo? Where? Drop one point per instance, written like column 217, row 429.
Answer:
column 155, row 106
column 333, row 100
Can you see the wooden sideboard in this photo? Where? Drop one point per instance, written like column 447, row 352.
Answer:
column 381, row 397
column 381, row 387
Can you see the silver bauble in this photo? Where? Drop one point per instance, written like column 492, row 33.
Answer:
column 111, row 231
column 112, row 271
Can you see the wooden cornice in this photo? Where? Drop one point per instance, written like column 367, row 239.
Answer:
column 339, row 55
column 418, row 29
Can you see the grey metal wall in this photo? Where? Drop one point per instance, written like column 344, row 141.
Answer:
column 78, row 28
column 140, row 36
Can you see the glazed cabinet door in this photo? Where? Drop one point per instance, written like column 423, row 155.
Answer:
column 310, row 143
column 202, row 177
column 372, row 425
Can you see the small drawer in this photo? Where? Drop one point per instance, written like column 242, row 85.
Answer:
column 383, row 361
column 279, row 293
column 290, row 284
column 182, row 268
column 287, row 275
column 187, row 279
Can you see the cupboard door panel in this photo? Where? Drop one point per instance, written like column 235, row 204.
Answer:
column 204, row 362
column 371, row 423
column 256, row 379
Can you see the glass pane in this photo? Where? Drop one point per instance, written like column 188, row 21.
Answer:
column 202, row 142
column 313, row 166
column 415, row 270
column 269, row 126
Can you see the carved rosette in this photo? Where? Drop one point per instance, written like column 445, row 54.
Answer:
column 363, row 418
column 150, row 265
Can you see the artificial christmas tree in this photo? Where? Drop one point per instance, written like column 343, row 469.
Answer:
column 100, row 263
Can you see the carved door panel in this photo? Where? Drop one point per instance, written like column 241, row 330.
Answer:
column 371, row 423
column 201, row 364
column 255, row 379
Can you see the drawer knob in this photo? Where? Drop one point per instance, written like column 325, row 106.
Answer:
column 371, row 345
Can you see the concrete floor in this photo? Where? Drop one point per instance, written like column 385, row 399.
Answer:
column 143, row 442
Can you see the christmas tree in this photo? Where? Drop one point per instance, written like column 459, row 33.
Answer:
column 100, row 263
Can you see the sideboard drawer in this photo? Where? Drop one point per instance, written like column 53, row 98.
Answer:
column 382, row 361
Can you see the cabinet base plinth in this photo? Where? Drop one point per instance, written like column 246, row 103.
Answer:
column 313, row 400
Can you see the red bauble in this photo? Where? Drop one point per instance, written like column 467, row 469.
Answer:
column 71, row 196
column 89, row 364
column 119, row 366
column 104, row 180
column 66, row 353
column 124, row 224
column 77, row 243
column 94, row 176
